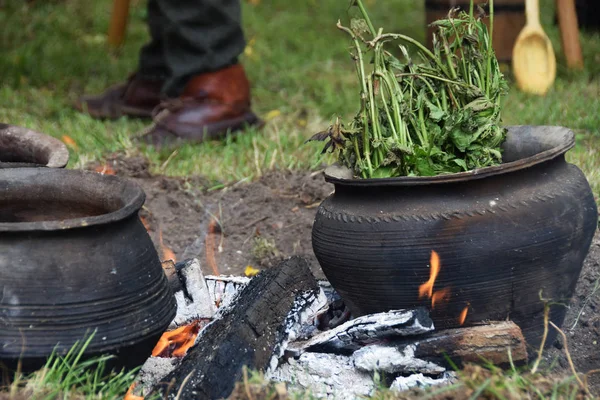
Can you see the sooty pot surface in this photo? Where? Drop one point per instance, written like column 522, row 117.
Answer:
column 503, row 236
column 22, row 147
column 75, row 259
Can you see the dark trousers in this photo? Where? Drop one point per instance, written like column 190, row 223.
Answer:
column 190, row 37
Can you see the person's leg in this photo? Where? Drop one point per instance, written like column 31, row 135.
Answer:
column 152, row 63
column 199, row 36
column 202, row 41
column 143, row 90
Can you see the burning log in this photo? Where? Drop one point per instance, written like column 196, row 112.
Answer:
column 367, row 329
column 427, row 354
column 249, row 334
column 489, row 342
column 194, row 301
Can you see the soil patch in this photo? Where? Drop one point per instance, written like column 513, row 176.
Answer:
column 582, row 323
column 257, row 224
column 246, row 224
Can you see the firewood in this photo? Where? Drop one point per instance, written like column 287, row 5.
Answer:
column 429, row 353
column 372, row 328
column 490, row 342
column 248, row 334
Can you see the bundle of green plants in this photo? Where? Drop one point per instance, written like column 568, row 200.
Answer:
column 435, row 113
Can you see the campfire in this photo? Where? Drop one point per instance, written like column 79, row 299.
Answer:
column 299, row 331
column 440, row 296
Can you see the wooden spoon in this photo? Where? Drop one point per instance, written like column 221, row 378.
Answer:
column 534, row 62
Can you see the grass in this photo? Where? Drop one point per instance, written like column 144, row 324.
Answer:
column 70, row 377
column 474, row 382
column 54, row 51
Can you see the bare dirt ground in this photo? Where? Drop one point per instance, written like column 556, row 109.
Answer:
column 257, row 224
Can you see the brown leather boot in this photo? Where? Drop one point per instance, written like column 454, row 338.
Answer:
column 135, row 98
column 211, row 105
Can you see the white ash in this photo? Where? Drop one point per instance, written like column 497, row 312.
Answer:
column 367, row 329
column 305, row 311
column 328, row 376
column 194, row 301
column 393, row 360
column 403, row 383
column 240, row 281
column 153, row 371
column 223, row 289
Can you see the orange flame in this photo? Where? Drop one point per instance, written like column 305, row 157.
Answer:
column 463, row 315
column 130, row 396
column 426, row 289
column 167, row 253
column 440, row 295
column 146, row 223
column 176, row 343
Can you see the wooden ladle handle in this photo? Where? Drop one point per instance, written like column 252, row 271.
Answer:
column 532, row 10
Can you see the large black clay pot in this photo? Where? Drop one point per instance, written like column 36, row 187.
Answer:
column 22, row 147
column 76, row 259
column 504, row 235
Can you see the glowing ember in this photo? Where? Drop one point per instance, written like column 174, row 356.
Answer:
column 439, row 296
column 426, row 289
column 463, row 315
column 176, row 343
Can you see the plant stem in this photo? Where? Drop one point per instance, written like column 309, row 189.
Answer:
column 363, row 11
column 398, row 36
column 490, row 49
column 386, row 108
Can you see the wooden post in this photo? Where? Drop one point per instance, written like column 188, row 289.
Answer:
column 118, row 23
column 569, row 32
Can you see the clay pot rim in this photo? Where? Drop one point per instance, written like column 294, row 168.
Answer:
column 564, row 138
column 21, row 136
column 130, row 192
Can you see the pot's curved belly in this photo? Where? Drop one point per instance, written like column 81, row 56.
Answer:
column 501, row 241
column 60, row 286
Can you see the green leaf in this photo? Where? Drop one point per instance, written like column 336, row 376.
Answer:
column 424, row 168
column 461, row 139
column 435, row 113
column 383, row 172
column 461, row 163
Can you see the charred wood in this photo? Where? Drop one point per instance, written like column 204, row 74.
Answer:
column 367, row 329
column 429, row 354
column 245, row 335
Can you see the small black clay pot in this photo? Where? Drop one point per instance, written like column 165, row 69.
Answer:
column 504, row 235
column 22, row 147
column 76, row 259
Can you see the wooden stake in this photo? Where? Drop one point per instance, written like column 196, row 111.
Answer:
column 118, row 23
column 569, row 32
